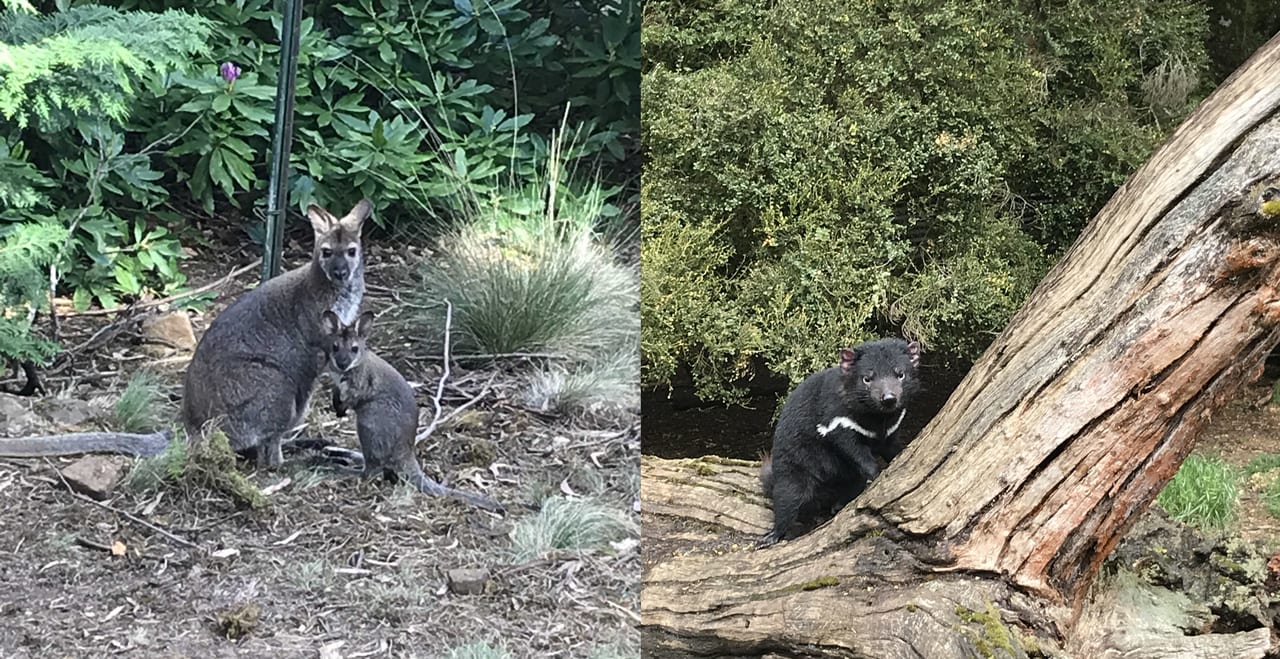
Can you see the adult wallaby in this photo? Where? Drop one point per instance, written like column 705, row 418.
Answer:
column 254, row 369
column 386, row 412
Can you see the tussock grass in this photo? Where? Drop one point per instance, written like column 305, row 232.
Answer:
column 479, row 650
column 1262, row 463
column 1203, row 493
column 534, row 276
column 142, row 405
column 154, row 472
column 569, row 524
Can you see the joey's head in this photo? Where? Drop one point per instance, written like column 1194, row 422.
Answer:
column 345, row 345
column 337, row 242
column 882, row 375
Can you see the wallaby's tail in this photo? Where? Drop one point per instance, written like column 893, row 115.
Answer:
column 86, row 442
column 428, row 486
column 766, row 474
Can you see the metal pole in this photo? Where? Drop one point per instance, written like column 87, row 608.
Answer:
column 282, row 138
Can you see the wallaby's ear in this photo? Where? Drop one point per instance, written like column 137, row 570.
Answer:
column 352, row 221
column 365, row 324
column 329, row 322
column 321, row 220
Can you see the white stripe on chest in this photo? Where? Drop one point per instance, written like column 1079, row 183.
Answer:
column 846, row 422
column 347, row 306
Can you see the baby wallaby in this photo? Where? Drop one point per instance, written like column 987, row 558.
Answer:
column 253, row 371
column 386, row 412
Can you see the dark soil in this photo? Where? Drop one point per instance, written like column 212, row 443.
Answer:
column 332, row 567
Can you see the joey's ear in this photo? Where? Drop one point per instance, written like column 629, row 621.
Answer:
column 365, row 324
column 329, row 322
column 321, row 220
column 847, row 359
column 913, row 351
column 353, row 220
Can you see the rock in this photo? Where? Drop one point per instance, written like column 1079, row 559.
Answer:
column 68, row 412
column 468, row 582
column 95, row 475
column 162, row 335
column 16, row 419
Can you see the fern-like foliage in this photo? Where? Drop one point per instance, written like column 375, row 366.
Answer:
column 24, row 253
column 20, row 181
column 88, row 59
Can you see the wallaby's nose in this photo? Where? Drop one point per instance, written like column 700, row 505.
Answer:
column 340, row 272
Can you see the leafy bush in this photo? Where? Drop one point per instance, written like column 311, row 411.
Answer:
column 416, row 104
column 73, row 198
column 818, row 174
column 1203, row 493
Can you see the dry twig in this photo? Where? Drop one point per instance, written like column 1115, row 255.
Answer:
column 127, row 515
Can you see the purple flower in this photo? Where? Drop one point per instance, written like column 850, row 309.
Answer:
column 229, row 71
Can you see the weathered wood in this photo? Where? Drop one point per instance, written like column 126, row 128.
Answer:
column 1062, row 433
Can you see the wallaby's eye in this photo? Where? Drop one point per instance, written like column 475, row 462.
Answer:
column 351, row 251
column 326, row 252
column 335, row 347
column 355, row 350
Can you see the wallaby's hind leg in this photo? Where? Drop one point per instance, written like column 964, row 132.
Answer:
column 270, row 455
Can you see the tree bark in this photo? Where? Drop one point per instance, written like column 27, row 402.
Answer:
column 984, row 537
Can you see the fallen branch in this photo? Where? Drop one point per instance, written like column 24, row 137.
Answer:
column 155, row 303
column 436, row 422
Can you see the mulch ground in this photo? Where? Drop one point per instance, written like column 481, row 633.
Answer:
column 332, row 567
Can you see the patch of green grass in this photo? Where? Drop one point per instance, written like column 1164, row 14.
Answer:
column 479, row 650
column 1203, row 493
column 615, row 650
column 569, row 524
column 1261, row 463
column 314, row 576
column 154, row 472
column 1271, row 497
column 141, row 407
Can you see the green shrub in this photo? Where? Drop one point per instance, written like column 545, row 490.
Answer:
column 818, row 174
column 1203, row 493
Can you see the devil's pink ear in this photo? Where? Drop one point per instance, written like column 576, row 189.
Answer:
column 913, row 351
column 847, row 359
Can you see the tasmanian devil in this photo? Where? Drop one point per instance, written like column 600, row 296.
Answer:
column 833, row 426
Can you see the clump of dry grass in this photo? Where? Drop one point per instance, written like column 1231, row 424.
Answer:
column 571, row 525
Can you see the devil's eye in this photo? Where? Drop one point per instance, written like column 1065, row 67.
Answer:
column 866, row 378
column 326, row 252
column 902, row 375
column 351, row 251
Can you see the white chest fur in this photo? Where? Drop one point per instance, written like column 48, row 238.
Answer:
column 347, row 306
